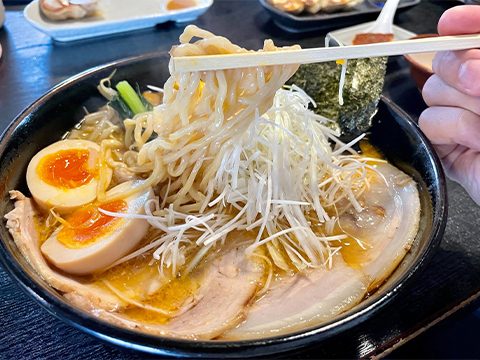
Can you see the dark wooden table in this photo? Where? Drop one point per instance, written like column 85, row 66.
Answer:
column 32, row 63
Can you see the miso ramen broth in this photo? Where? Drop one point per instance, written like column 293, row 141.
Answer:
column 228, row 211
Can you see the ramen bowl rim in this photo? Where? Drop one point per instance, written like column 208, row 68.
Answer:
column 49, row 299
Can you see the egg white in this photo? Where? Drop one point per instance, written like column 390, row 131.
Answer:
column 117, row 242
column 63, row 200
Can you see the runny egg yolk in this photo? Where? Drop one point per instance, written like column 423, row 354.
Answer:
column 87, row 225
column 67, row 169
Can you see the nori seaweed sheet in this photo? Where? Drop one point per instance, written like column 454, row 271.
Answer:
column 363, row 86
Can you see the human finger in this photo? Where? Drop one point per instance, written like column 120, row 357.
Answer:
column 444, row 150
column 459, row 69
column 460, row 20
column 463, row 166
column 437, row 92
column 449, row 162
column 450, row 126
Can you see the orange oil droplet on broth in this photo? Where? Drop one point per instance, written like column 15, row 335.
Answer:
column 180, row 4
column 369, row 150
column 88, row 225
column 66, row 169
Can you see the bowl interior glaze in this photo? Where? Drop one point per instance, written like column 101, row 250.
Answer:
column 46, row 120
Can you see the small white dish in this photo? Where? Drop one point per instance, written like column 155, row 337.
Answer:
column 116, row 16
column 346, row 35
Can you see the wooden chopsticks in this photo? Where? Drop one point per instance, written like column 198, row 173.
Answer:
column 306, row 56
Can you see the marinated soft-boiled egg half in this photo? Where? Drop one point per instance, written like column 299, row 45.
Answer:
column 90, row 239
column 64, row 175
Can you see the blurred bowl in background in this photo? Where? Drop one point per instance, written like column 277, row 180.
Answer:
column 2, row 13
column 421, row 64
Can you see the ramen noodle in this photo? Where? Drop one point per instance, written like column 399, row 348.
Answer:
column 229, row 211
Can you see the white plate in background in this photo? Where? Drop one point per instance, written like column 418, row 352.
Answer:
column 116, row 16
column 346, row 35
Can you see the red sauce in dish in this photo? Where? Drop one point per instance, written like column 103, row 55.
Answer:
column 180, row 4
column 88, row 225
column 367, row 38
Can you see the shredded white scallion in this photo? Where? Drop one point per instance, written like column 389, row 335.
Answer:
column 344, row 68
column 278, row 178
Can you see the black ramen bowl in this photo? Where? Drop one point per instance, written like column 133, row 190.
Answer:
column 47, row 119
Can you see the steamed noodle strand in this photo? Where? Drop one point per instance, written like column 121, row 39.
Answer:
column 229, row 151
column 203, row 113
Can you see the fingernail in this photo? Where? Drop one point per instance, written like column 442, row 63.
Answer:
column 469, row 74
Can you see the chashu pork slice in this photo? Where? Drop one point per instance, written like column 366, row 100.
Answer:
column 302, row 300
column 227, row 290
column 387, row 225
column 62, row 10
column 228, row 286
column 21, row 224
